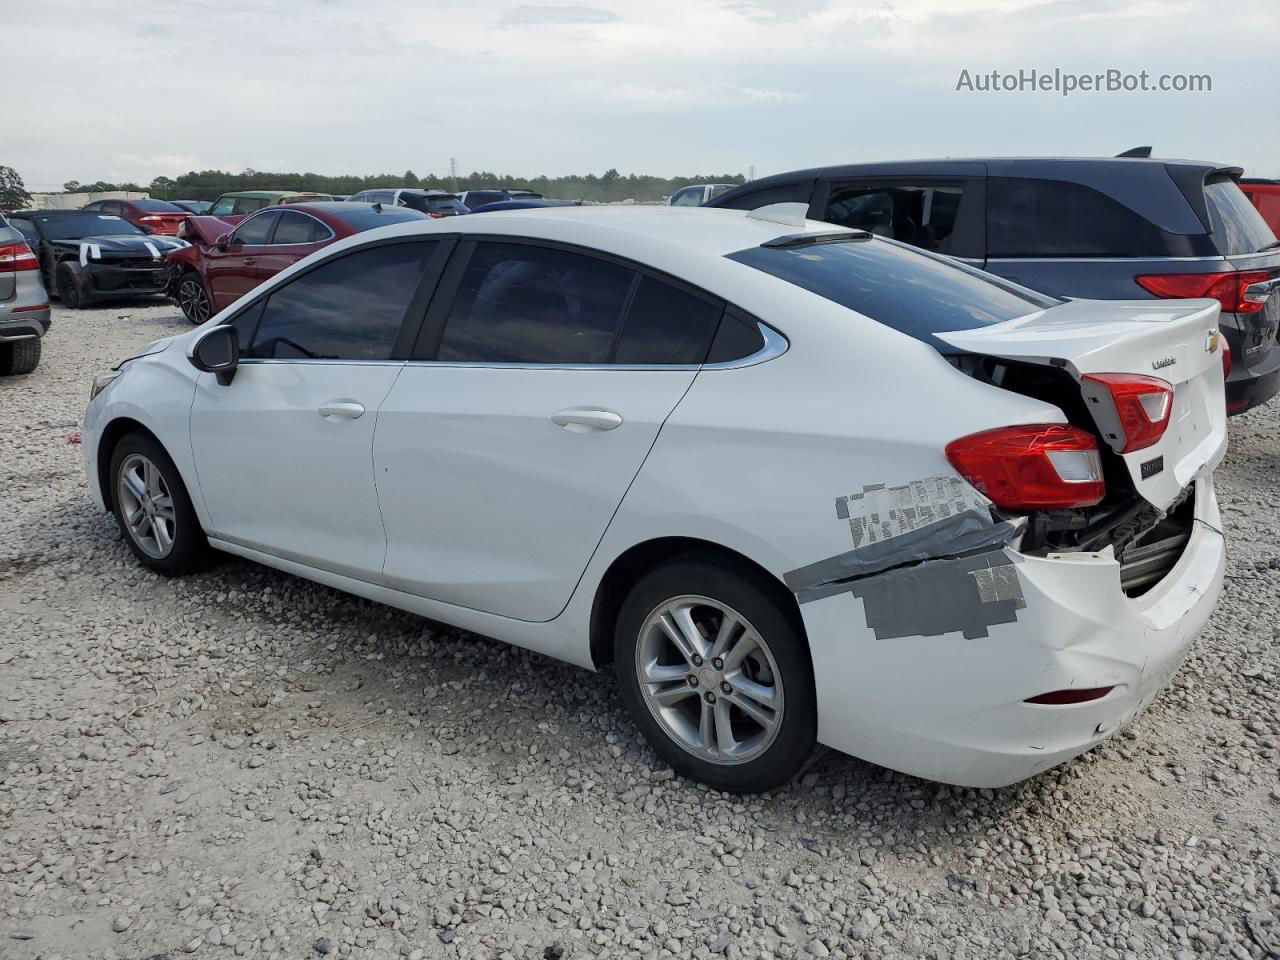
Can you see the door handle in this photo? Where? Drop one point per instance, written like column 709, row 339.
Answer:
column 580, row 420
column 342, row 408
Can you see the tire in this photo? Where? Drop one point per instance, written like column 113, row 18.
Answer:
column 165, row 536
column 21, row 356
column 68, row 289
column 765, row 748
column 192, row 298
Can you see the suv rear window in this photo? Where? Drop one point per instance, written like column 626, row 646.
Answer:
column 1055, row 218
column 914, row 293
column 445, row 205
column 1238, row 227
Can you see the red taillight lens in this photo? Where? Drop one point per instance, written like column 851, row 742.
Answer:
column 437, row 216
column 1042, row 466
column 17, row 256
column 1227, row 288
column 1226, row 358
column 1142, row 404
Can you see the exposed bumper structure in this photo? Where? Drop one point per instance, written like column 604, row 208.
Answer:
column 953, row 709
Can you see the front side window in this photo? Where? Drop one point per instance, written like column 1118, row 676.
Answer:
column 688, row 197
column 254, row 231
column 519, row 303
column 348, row 308
column 923, row 216
column 223, row 206
column 294, row 227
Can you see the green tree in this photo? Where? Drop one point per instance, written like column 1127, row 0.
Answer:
column 71, row 186
column 13, row 192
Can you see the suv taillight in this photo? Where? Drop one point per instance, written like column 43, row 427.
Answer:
column 17, row 256
column 1043, row 466
column 1227, row 288
column 1142, row 405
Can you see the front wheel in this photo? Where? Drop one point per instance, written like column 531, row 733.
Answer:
column 153, row 509
column 716, row 672
column 69, row 289
column 192, row 298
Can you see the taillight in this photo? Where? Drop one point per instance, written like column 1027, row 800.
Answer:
column 1142, row 406
column 1227, row 288
column 437, row 216
column 17, row 256
column 1043, row 466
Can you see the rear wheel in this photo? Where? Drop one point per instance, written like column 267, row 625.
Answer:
column 22, row 356
column 192, row 298
column 152, row 506
column 69, row 289
column 716, row 673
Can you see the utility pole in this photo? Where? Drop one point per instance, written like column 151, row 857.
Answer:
column 751, row 172
column 453, row 174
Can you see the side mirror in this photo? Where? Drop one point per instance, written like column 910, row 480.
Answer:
column 223, row 242
column 217, row 351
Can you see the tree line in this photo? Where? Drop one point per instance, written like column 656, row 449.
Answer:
column 209, row 184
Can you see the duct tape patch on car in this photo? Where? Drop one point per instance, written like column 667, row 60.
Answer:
column 927, row 559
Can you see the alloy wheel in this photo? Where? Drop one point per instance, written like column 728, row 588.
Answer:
column 192, row 300
column 146, row 506
column 710, row 680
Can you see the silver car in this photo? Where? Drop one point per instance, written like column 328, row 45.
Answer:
column 24, row 304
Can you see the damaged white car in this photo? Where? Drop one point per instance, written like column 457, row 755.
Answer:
column 796, row 484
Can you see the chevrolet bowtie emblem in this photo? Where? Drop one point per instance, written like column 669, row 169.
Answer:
column 1211, row 341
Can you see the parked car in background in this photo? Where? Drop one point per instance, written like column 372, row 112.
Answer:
column 237, row 205
column 193, row 206
column 790, row 481
column 478, row 198
column 24, row 304
column 153, row 216
column 1115, row 228
column 436, row 203
column 86, row 257
column 524, row 205
column 225, row 261
column 1265, row 195
column 698, row 194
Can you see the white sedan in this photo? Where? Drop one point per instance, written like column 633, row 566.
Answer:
column 795, row 483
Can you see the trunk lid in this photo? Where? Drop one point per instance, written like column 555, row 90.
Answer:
column 1174, row 340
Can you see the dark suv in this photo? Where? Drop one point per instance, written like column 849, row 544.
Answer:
column 1106, row 228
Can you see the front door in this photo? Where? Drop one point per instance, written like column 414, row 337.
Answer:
column 233, row 271
column 284, row 453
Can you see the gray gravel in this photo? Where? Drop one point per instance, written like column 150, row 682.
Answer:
column 246, row 764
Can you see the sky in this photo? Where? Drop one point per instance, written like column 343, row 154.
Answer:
column 130, row 91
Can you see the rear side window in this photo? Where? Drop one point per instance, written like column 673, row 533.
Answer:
column 520, row 303
column 296, row 227
column 1054, row 218
column 478, row 198
column 913, row 293
column 250, row 204
column 1238, row 227
column 349, row 308
column 796, row 192
column 666, row 324
column 923, row 216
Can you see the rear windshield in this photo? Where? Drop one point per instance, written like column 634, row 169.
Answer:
column 73, row 226
column 361, row 217
column 157, row 206
column 912, row 292
column 445, row 205
column 1238, row 227
column 476, row 198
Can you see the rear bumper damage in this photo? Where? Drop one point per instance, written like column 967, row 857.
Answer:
column 926, row 668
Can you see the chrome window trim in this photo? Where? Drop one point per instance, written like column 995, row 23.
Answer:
column 775, row 345
column 1087, row 259
column 302, row 213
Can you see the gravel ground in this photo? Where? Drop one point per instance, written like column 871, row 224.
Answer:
column 245, row 764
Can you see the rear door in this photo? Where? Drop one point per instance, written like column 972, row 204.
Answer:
column 940, row 214
column 232, row 272
column 501, row 455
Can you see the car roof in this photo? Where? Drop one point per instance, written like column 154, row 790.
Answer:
column 266, row 194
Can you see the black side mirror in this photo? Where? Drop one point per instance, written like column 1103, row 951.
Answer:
column 217, row 351
column 223, row 242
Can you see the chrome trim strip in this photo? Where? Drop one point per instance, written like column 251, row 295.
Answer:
column 775, row 345
column 1104, row 259
column 317, row 361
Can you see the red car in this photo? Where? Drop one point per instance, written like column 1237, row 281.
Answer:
column 1265, row 195
column 225, row 261
column 153, row 216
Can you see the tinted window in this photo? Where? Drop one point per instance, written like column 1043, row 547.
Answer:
column 529, row 304
column 254, row 230
column 476, row 198
column 1053, row 218
column 222, row 206
column 73, row 226
column 913, row 293
column 366, row 218
column 157, row 206
column 919, row 215
column 688, row 197
column 349, row 308
column 736, row 338
column 666, row 324
column 299, row 228
column 1237, row 226
column 795, row 192
column 720, row 188
column 445, row 205
column 250, row 204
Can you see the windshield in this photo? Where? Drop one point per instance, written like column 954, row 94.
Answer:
column 913, row 292
column 362, row 217
column 1237, row 226
column 73, row 226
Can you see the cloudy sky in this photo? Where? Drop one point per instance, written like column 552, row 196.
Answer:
column 113, row 90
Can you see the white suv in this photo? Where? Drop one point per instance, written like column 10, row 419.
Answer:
column 796, row 483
